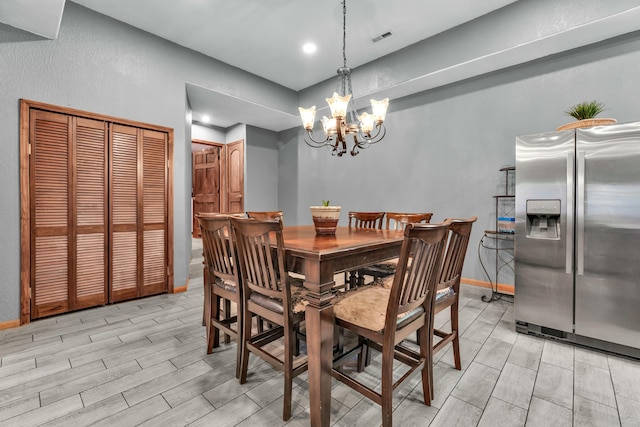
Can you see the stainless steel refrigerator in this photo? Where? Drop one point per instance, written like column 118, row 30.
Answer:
column 577, row 253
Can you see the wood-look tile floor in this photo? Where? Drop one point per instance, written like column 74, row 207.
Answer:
column 144, row 362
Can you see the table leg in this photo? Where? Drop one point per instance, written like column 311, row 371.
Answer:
column 319, row 325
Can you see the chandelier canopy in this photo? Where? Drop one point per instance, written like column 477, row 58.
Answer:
column 345, row 124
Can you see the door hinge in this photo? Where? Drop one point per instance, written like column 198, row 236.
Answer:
column 29, row 149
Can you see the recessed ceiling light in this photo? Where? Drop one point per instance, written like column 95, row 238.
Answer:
column 309, row 48
column 205, row 119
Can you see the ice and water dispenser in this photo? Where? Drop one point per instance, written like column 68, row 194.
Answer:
column 543, row 219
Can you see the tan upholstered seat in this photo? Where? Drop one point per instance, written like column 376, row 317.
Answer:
column 384, row 317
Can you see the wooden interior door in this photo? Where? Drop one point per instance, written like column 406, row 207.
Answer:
column 67, row 213
column 235, row 176
column 206, row 183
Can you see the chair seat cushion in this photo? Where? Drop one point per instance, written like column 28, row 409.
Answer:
column 444, row 298
column 228, row 285
column 382, row 269
column 366, row 307
column 442, row 294
column 385, row 268
column 298, row 297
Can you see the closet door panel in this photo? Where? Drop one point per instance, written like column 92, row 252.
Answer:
column 124, row 276
column 154, row 201
column 50, row 220
column 50, row 295
column 91, row 213
column 124, row 213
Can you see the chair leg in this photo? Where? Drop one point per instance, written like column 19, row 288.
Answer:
column 387, row 386
column 363, row 355
column 456, row 339
column 426, row 351
column 227, row 315
column 239, row 340
column 246, row 336
column 428, row 336
column 206, row 309
column 289, row 338
column 213, row 335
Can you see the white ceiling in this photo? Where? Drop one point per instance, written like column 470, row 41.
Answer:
column 265, row 37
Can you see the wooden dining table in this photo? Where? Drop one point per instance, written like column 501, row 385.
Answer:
column 319, row 258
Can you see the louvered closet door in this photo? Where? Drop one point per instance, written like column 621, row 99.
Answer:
column 90, row 213
column 154, row 202
column 138, row 212
column 67, row 213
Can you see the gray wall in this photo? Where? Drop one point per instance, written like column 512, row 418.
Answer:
column 208, row 133
column 261, row 166
column 444, row 147
column 100, row 65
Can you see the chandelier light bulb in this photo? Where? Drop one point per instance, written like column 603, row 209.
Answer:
column 366, row 123
column 338, row 105
column 308, row 116
column 379, row 109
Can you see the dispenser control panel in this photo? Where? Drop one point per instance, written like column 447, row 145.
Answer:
column 543, row 207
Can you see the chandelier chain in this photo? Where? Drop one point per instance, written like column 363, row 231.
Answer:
column 344, row 32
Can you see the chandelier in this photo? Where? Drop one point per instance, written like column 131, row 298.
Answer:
column 345, row 124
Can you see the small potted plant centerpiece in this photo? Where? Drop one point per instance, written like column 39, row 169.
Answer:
column 585, row 113
column 325, row 217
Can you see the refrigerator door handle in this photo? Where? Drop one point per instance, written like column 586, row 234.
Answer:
column 570, row 203
column 580, row 213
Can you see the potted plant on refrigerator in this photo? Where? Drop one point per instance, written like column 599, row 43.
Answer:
column 585, row 113
column 325, row 217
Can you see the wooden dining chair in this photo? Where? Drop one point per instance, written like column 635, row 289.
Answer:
column 270, row 293
column 448, row 289
column 395, row 221
column 383, row 317
column 206, row 312
column 399, row 220
column 366, row 219
column 361, row 220
column 221, row 283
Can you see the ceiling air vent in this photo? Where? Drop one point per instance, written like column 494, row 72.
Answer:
column 382, row 36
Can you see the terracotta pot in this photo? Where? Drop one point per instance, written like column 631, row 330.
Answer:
column 587, row 123
column 325, row 218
